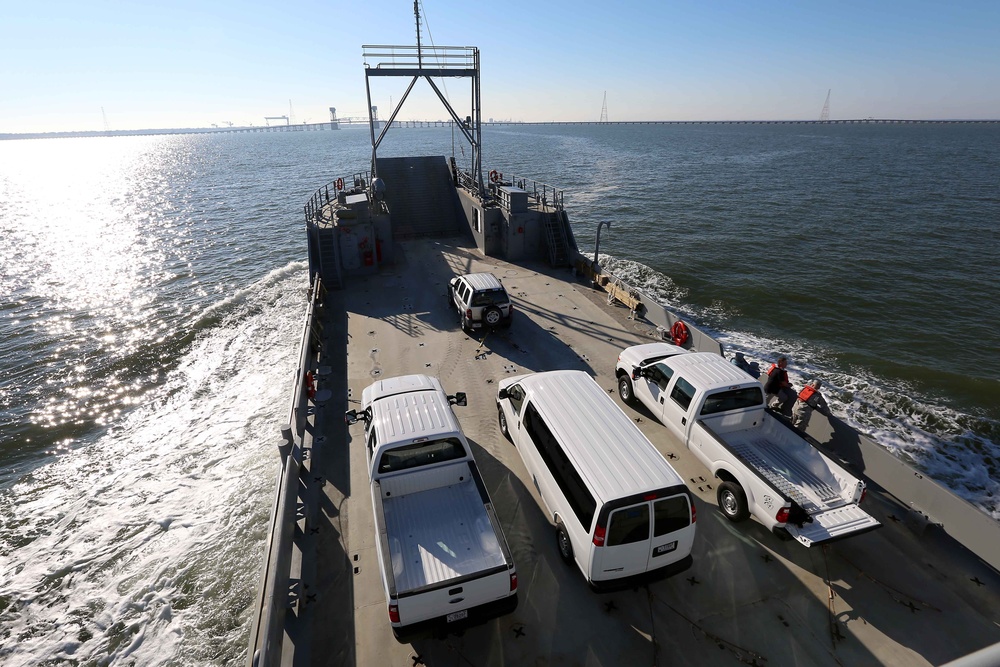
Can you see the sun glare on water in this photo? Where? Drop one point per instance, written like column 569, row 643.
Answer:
column 87, row 251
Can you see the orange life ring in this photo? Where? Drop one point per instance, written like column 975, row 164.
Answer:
column 310, row 385
column 679, row 332
column 340, row 184
column 494, row 176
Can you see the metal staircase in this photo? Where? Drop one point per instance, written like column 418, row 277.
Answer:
column 555, row 237
column 328, row 259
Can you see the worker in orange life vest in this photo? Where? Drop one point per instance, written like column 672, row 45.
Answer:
column 777, row 388
column 809, row 399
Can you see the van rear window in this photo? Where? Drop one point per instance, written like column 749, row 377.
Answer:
column 670, row 514
column 421, row 454
column 628, row 525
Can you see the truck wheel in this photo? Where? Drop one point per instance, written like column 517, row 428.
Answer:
column 733, row 502
column 565, row 546
column 492, row 316
column 625, row 389
column 502, row 418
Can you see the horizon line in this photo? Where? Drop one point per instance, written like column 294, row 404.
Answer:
column 56, row 134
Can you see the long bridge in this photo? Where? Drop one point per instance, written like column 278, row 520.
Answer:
column 858, row 121
column 357, row 123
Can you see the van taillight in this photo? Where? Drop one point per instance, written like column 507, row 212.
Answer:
column 694, row 513
column 782, row 515
column 394, row 613
column 599, row 533
column 513, row 581
column 468, row 313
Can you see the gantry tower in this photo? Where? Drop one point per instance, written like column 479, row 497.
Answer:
column 427, row 62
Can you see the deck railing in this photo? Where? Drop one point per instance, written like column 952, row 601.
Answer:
column 274, row 594
column 422, row 57
column 328, row 193
column 545, row 196
column 548, row 197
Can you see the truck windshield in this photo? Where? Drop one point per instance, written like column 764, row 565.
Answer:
column 733, row 399
column 421, row 454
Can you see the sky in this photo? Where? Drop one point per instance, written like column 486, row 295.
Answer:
column 143, row 64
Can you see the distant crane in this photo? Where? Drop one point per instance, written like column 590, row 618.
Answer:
column 268, row 119
column 604, row 108
column 106, row 128
column 824, row 116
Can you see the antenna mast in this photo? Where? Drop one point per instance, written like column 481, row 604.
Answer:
column 604, row 108
column 416, row 17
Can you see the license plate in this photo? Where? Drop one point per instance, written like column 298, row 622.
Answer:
column 457, row 616
column 665, row 548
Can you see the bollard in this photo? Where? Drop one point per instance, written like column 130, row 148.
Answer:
column 285, row 446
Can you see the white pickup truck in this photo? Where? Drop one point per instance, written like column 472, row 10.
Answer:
column 764, row 465
column 444, row 560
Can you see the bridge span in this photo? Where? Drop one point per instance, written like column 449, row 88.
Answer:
column 357, row 123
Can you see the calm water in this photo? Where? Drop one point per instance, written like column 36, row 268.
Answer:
column 151, row 291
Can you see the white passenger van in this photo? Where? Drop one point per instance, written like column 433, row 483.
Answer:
column 621, row 512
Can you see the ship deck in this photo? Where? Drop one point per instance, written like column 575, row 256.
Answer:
column 893, row 596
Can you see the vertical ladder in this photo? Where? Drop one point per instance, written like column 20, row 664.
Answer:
column 555, row 237
column 328, row 258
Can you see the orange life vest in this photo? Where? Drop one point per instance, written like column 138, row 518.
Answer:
column 807, row 393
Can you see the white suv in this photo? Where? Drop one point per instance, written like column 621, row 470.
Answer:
column 481, row 300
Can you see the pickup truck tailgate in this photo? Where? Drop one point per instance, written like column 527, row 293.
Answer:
column 833, row 524
column 453, row 601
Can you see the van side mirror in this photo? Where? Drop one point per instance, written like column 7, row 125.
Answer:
column 638, row 373
column 458, row 399
column 502, row 394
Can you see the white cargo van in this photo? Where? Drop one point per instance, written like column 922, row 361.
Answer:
column 621, row 512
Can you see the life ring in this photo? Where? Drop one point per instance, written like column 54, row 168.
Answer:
column 310, row 385
column 679, row 332
column 340, row 184
column 494, row 176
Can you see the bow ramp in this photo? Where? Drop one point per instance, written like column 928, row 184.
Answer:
column 420, row 196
